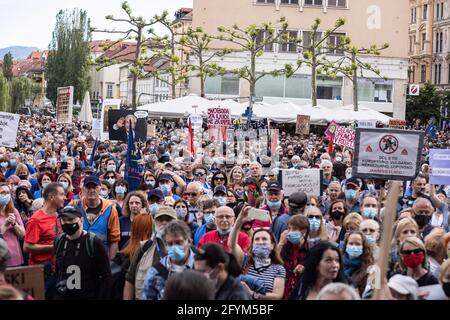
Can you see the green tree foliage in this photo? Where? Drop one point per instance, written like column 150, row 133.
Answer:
column 22, row 89
column 424, row 106
column 68, row 59
column 138, row 28
column 7, row 66
column 5, row 97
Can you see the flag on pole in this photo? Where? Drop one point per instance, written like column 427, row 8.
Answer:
column 191, row 139
column 94, row 150
column 132, row 172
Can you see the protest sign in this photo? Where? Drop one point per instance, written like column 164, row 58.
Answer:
column 151, row 131
column 64, row 104
column 388, row 154
column 219, row 117
column 344, row 137
column 119, row 121
column 196, row 120
column 331, row 129
column 107, row 105
column 96, row 127
column 302, row 126
column 307, row 180
column 9, row 124
column 367, row 124
column 29, row 279
column 397, row 124
column 440, row 166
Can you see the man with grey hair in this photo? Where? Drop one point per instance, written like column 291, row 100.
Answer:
column 193, row 192
column 422, row 212
column 256, row 171
column 338, row 291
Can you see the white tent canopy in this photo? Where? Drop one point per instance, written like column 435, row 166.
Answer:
column 347, row 114
column 86, row 109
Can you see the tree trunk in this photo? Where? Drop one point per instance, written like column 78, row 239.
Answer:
column 202, row 87
column 355, row 85
column 203, row 77
column 134, row 92
column 252, row 78
column 314, row 81
column 137, row 57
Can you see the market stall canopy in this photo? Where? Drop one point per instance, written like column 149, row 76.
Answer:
column 347, row 114
column 86, row 109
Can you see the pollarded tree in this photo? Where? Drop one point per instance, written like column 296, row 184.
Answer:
column 5, row 96
column 7, row 66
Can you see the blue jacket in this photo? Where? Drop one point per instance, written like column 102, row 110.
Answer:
column 199, row 232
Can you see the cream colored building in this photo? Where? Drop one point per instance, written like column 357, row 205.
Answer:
column 441, row 44
column 368, row 22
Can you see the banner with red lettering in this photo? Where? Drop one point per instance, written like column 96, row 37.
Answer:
column 344, row 137
column 219, row 117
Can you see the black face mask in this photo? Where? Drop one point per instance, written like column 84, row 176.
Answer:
column 70, row 228
column 23, row 177
column 446, row 288
column 336, row 215
column 422, row 220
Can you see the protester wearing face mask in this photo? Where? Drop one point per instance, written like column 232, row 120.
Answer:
column 352, row 195
column 357, row 258
column 111, row 177
column 220, row 195
column 120, row 191
column 274, row 205
column 44, row 179
column 336, row 213
column 149, row 180
column 422, row 213
column 263, row 260
column 371, row 230
column 222, row 268
column 369, row 208
column 24, row 174
column 293, row 247
column 105, row 189
column 181, row 209
column 66, row 182
column 317, row 228
column 11, row 226
column 166, row 184
column 4, row 165
column 179, row 258
column 148, row 255
column 77, row 248
column 413, row 262
column 156, row 200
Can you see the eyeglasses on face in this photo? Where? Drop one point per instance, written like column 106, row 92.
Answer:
column 224, row 217
column 409, row 252
column 199, row 174
column 315, row 217
column 190, row 194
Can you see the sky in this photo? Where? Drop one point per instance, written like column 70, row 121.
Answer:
column 31, row 22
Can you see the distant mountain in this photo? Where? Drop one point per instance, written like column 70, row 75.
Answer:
column 17, row 52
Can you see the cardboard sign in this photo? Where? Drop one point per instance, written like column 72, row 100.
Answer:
column 388, row 154
column 151, row 130
column 331, row 129
column 367, row 124
column 64, row 104
column 107, row 105
column 440, row 166
column 29, row 279
column 302, row 126
column 119, row 123
column 307, row 180
column 219, row 117
column 344, row 137
column 9, row 124
column 397, row 124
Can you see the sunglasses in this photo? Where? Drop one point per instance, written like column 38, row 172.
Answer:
column 219, row 179
column 110, row 177
column 317, row 217
column 192, row 194
column 409, row 252
column 199, row 174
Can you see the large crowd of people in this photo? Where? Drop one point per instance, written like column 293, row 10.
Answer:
column 187, row 232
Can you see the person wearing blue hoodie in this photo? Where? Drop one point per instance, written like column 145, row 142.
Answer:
column 208, row 221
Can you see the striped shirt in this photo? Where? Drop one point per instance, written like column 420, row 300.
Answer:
column 268, row 275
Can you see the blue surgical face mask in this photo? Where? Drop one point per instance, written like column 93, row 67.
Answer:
column 240, row 194
column 314, row 224
column 5, row 199
column 370, row 213
column 221, row 200
column 154, row 208
column 371, row 239
column 223, row 232
column 181, row 213
column 274, row 205
column 65, row 185
column 371, row 188
column 120, row 190
column 176, row 253
column 262, row 250
column 354, row 251
column 104, row 194
column 165, row 188
column 4, row 164
column 294, row 237
column 350, row 194
column 209, row 219
column 13, row 162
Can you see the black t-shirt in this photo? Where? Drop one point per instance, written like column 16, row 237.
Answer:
column 427, row 280
column 95, row 272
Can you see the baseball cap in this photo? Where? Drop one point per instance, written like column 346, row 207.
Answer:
column 156, row 193
column 70, row 212
column 275, row 186
column 166, row 211
column 404, row 285
column 165, row 176
column 91, row 180
column 220, row 189
column 352, row 180
column 298, row 199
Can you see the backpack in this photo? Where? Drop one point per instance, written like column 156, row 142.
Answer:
column 146, row 261
column 89, row 243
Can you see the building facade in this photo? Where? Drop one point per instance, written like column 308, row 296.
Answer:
column 367, row 23
column 441, row 44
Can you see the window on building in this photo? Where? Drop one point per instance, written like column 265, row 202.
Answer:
column 411, row 44
column 298, row 86
column 263, row 36
column 441, row 40
column 306, row 39
column 265, row 1
column 109, row 90
column 412, row 74
column 437, row 73
column 329, row 89
column 375, row 90
column 289, row 1
column 442, row 11
column 335, row 41
column 425, row 12
column 313, row 2
column 337, row 3
column 292, row 45
column 269, row 86
column 424, row 38
column 227, row 84
column 423, row 73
